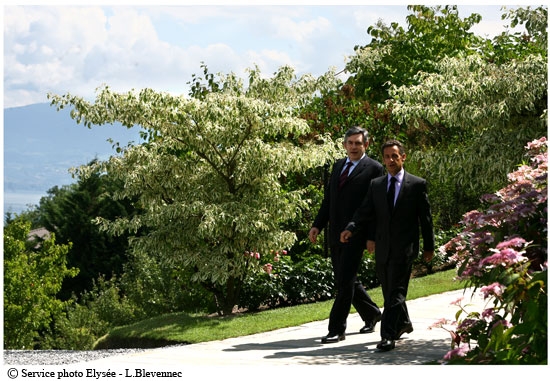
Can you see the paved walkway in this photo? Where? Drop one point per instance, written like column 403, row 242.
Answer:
column 301, row 346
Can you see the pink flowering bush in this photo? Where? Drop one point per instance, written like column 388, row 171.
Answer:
column 502, row 252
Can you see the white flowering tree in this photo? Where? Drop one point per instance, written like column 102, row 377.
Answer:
column 487, row 112
column 492, row 109
column 208, row 175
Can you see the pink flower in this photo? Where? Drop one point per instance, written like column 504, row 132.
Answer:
column 513, row 242
column 268, row 268
column 482, row 237
column 490, row 198
column 439, row 324
column 466, row 324
column 503, row 257
column 488, row 314
column 458, row 301
column 495, row 289
column 460, row 351
column 536, row 145
column 473, row 217
column 257, row 255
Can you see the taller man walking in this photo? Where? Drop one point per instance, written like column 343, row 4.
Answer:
column 348, row 185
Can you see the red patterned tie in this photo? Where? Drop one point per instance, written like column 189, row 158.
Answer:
column 344, row 175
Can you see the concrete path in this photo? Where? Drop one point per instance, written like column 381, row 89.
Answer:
column 301, row 346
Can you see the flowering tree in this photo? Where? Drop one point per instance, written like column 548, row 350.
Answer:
column 208, row 177
column 502, row 251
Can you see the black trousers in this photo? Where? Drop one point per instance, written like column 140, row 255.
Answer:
column 394, row 277
column 346, row 259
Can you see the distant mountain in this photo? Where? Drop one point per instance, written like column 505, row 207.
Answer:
column 41, row 144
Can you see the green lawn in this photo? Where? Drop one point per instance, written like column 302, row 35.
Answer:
column 188, row 328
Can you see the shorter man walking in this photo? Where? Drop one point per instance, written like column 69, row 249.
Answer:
column 394, row 212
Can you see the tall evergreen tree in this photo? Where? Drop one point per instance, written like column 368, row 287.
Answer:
column 70, row 211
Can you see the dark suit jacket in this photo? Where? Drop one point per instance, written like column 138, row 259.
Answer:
column 399, row 232
column 338, row 206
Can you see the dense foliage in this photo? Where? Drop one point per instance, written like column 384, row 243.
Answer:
column 395, row 55
column 278, row 281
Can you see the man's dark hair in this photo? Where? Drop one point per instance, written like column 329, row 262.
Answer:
column 393, row 142
column 357, row 130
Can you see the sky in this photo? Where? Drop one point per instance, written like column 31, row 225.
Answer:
column 62, row 48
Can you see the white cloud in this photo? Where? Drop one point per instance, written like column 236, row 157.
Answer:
column 300, row 31
column 74, row 49
column 268, row 61
column 45, row 48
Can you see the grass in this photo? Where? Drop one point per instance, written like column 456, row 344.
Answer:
column 182, row 327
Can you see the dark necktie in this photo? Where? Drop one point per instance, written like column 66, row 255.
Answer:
column 344, row 175
column 391, row 193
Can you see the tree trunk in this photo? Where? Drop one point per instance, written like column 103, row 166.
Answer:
column 226, row 296
column 232, row 292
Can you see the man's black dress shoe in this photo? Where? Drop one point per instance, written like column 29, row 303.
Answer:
column 330, row 338
column 405, row 329
column 369, row 327
column 386, row 345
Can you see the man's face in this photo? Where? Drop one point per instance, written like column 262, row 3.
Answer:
column 393, row 160
column 355, row 147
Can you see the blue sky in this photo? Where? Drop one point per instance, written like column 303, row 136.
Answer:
column 63, row 48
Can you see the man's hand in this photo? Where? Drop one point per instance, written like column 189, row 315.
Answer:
column 428, row 256
column 345, row 236
column 313, row 233
column 371, row 246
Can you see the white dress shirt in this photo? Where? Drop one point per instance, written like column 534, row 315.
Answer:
column 399, row 178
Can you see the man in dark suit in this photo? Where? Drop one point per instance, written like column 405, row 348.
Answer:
column 393, row 216
column 347, row 187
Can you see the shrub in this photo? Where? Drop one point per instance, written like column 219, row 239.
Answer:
column 91, row 316
column 157, row 287
column 309, row 280
column 33, row 274
column 277, row 281
column 77, row 329
column 367, row 271
column 502, row 250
